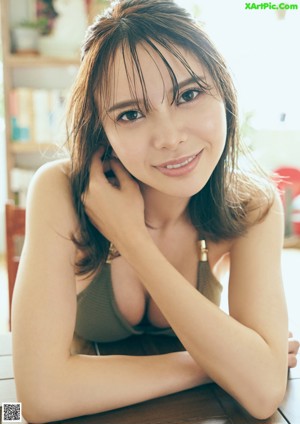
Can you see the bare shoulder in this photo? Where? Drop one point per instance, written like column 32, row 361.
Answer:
column 265, row 229
column 263, row 204
column 50, row 198
column 52, row 175
column 266, row 225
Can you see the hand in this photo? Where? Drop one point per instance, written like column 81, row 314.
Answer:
column 293, row 351
column 114, row 206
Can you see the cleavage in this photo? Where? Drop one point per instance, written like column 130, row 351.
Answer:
column 131, row 297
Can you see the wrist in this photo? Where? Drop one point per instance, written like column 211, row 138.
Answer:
column 133, row 243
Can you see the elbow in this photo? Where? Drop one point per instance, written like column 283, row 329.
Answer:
column 265, row 403
column 34, row 416
column 39, row 405
column 35, row 411
column 41, row 411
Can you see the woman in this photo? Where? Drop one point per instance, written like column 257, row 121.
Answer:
column 153, row 175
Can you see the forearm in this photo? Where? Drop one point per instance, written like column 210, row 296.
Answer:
column 247, row 371
column 92, row 384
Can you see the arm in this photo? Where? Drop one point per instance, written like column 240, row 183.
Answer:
column 50, row 382
column 255, row 373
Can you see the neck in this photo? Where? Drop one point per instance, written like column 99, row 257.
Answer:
column 163, row 211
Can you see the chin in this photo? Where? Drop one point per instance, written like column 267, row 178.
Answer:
column 186, row 191
column 176, row 187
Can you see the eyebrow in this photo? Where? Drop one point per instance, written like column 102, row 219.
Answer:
column 134, row 103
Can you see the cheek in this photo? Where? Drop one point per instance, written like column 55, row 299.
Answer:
column 222, row 123
column 216, row 126
column 128, row 149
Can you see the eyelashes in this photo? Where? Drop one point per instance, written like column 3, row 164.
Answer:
column 131, row 115
column 189, row 95
column 185, row 97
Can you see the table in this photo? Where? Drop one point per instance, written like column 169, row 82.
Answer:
column 207, row 404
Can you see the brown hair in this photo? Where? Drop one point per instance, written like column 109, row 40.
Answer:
column 219, row 211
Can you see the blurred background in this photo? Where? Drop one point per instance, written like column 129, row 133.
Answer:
column 40, row 47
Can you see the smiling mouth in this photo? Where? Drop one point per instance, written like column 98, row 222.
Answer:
column 179, row 167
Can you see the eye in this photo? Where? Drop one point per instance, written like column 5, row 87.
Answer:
column 130, row 116
column 188, row 96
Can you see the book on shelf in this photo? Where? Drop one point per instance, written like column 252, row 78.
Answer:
column 41, row 112
column 21, row 114
column 37, row 115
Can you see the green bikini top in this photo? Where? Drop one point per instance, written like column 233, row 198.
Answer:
column 99, row 319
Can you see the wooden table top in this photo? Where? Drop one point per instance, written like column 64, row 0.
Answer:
column 207, row 404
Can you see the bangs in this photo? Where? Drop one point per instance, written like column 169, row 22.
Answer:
column 105, row 89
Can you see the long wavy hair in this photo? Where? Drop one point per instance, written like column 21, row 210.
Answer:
column 220, row 210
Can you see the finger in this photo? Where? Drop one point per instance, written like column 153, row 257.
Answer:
column 121, row 172
column 96, row 173
column 96, row 169
column 292, row 361
column 290, row 334
column 293, row 346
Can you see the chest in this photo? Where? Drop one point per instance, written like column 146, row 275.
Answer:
column 132, row 299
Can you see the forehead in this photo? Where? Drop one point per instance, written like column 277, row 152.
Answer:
column 152, row 75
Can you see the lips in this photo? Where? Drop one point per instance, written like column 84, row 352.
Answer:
column 180, row 166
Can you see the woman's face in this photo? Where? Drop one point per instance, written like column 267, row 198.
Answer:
column 175, row 146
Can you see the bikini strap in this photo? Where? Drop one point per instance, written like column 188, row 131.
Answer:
column 202, row 252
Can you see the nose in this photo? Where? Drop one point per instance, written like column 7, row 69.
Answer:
column 167, row 132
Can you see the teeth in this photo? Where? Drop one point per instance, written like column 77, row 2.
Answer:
column 179, row 165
